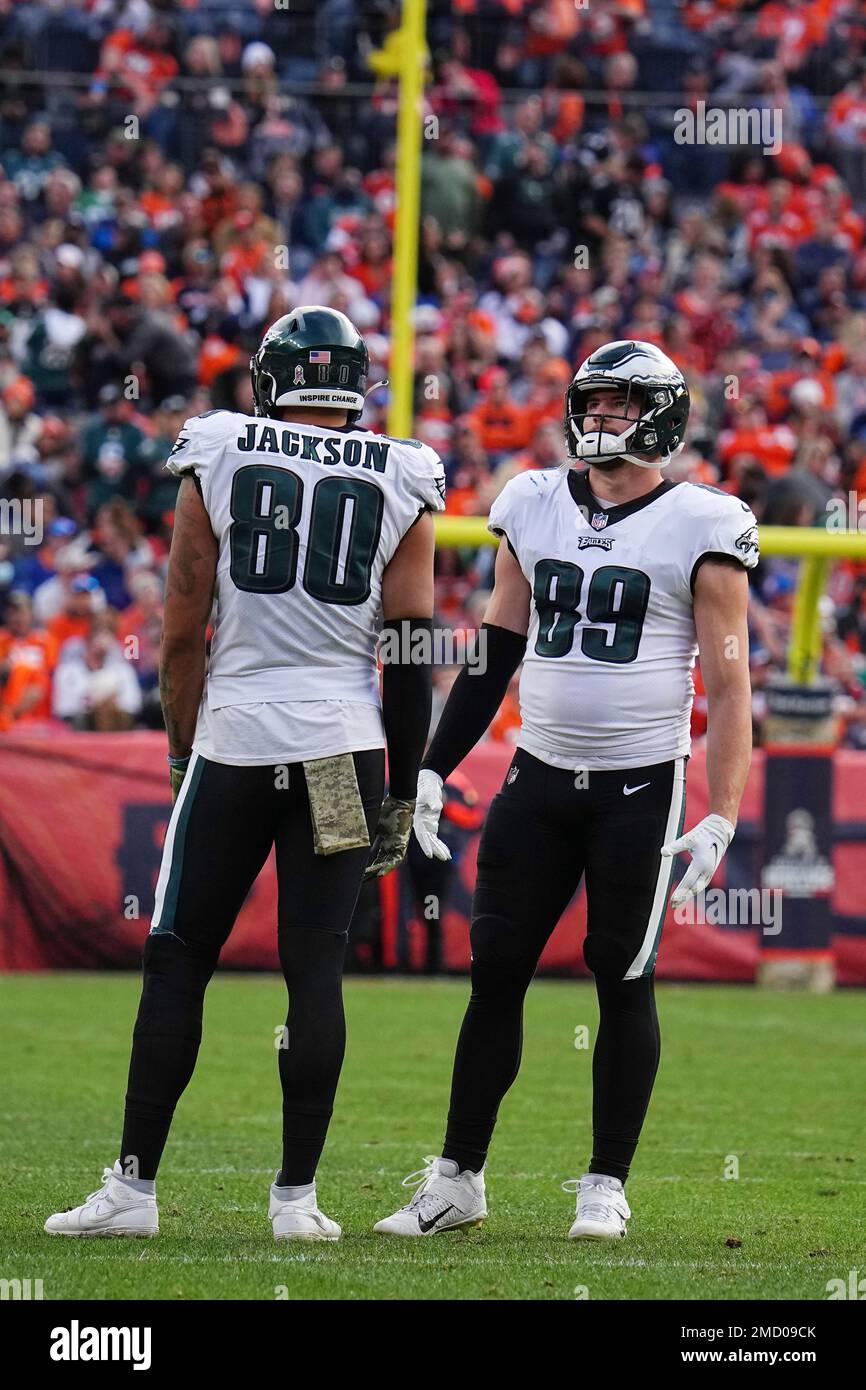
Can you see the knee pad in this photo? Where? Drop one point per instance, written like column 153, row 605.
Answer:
column 175, row 977
column 607, row 958
column 502, row 961
column 167, row 955
column 498, row 941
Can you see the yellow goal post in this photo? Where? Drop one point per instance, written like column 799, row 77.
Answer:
column 816, row 547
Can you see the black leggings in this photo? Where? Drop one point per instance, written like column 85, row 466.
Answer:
column 222, row 829
column 624, row 1064
column 544, row 831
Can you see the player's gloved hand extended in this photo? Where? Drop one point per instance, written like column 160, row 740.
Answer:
column 393, row 829
column 428, row 809
column 176, row 771
column 706, row 844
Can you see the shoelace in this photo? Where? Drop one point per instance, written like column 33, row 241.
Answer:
column 103, row 1190
column 592, row 1208
column 418, row 1180
column 421, row 1174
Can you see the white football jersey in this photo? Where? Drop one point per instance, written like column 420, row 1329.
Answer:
column 606, row 680
column 307, row 518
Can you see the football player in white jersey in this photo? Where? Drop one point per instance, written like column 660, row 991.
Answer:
column 608, row 581
column 312, row 534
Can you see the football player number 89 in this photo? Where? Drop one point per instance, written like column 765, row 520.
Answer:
column 614, row 595
column 342, row 535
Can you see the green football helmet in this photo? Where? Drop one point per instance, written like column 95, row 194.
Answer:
column 312, row 357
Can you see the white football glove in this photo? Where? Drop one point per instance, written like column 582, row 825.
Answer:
column 428, row 809
column 706, row 844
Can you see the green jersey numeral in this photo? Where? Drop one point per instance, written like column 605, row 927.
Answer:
column 342, row 537
column 615, row 595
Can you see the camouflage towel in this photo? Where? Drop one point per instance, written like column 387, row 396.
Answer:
column 335, row 805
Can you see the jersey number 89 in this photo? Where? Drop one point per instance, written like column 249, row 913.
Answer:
column 615, row 595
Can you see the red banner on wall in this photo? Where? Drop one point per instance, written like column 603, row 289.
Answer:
column 82, row 819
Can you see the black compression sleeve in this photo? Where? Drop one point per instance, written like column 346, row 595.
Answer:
column 407, row 698
column 475, row 697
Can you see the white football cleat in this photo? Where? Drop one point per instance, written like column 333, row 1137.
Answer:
column 446, row 1200
column 602, row 1211
column 301, row 1219
column 115, row 1210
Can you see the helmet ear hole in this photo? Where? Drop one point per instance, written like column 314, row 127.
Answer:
column 267, row 386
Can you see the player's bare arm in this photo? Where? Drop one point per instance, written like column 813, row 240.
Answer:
column 720, row 608
column 721, row 603
column 509, row 602
column 188, row 599
column 407, row 584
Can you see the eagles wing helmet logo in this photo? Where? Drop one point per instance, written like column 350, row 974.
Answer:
column 611, row 355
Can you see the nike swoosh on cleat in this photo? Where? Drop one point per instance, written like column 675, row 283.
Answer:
column 426, row 1226
column 627, row 791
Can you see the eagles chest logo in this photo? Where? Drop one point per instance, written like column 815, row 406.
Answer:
column 599, row 521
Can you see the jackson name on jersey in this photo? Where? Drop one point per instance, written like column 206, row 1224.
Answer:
column 606, row 681
column 307, row 518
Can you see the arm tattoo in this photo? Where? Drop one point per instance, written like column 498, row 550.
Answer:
column 188, row 600
column 181, row 572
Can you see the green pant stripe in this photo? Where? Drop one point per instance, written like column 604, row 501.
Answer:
column 169, row 906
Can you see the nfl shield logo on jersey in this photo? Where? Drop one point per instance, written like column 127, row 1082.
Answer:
column 599, row 521
column 511, row 774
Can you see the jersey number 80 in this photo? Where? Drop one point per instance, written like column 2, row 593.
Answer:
column 342, row 535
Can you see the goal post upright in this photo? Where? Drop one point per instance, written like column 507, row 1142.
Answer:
column 412, row 50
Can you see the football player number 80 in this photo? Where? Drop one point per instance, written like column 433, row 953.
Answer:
column 615, row 595
column 342, row 534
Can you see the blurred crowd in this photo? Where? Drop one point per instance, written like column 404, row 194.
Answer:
column 175, row 176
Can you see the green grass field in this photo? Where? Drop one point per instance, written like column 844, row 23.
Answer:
column 774, row 1081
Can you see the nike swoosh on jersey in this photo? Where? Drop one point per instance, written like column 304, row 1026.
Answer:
column 426, row 1226
column 627, row 791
